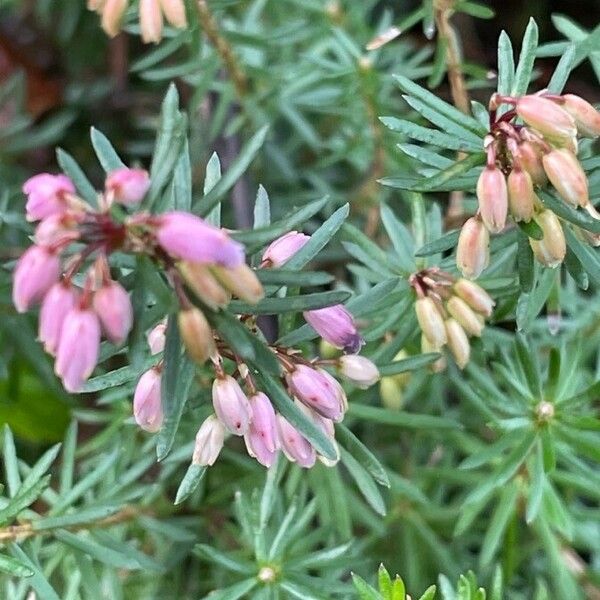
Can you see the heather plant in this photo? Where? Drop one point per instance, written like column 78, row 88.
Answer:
column 302, row 292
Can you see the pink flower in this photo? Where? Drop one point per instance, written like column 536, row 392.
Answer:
column 187, row 237
column 113, row 307
column 335, row 325
column 492, row 194
column 60, row 299
column 78, row 348
column 209, row 441
column 156, row 338
column 231, row 405
column 56, row 228
column 151, row 21
column 360, row 370
column 318, row 390
column 128, row 186
column 34, row 275
column 295, row 447
column 147, row 406
column 45, row 195
column 261, row 438
column 284, row 247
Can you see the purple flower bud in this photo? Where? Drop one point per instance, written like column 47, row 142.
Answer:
column 295, row 447
column 59, row 300
column 113, row 307
column 156, row 338
column 209, row 442
column 78, row 348
column 283, row 248
column 128, row 186
column 147, row 404
column 231, row 405
column 336, row 325
column 359, row 370
column 37, row 270
column 318, row 390
column 188, row 237
column 261, row 438
column 45, row 195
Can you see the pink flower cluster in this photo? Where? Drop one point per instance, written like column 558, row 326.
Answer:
column 72, row 317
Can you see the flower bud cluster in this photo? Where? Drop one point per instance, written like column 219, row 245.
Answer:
column 73, row 242
column 449, row 311
column 150, row 13
column 521, row 158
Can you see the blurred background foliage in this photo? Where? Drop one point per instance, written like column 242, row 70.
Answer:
column 303, row 69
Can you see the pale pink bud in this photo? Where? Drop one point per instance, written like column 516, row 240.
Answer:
column 464, row 314
column 284, row 247
column 113, row 307
column 156, row 338
column 318, row 390
column 458, row 342
column 295, row 447
column 204, row 284
column 147, row 403
column 56, row 228
column 546, row 116
column 567, row 176
column 493, row 198
column 57, row 303
column 475, row 296
column 530, row 158
column 521, row 197
column 335, row 325
column 359, row 370
column 241, row 281
column 473, row 249
column 45, row 195
column 188, row 237
column 231, row 405
column 78, row 348
column 196, row 334
column 587, row 118
column 431, row 321
column 261, row 439
column 151, row 21
column 95, row 5
column 36, row 271
column 112, row 15
column 128, row 186
column 174, row 12
column 209, row 442
column 551, row 249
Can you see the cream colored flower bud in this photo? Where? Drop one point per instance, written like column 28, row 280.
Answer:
column 174, row 12
column 196, row 334
column 401, row 378
column 440, row 364
column 112, row 15
column 431, row 321
column 551, row 249
column 458, row 342
column 472, row 251
column 475, row 296
column 546, row 116
column 521, row 197
column 492, row 195
column 531, row 161
column 391, row 393
column 204, row 284
column 465, row 315
column 567, row 176
column 151, row 21
column 587, row 118
column 241, row 281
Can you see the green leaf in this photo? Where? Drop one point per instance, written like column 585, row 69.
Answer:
column 72, row 170
column 499, row 521
column 443, row 178
column 212, row 177
column 401, row 418
column 288, row 277
column 364, row 590
column 37, row 581
column 525, row 264
column 531, row 229
column 446, row 242
column 181, row 186
column 529, row 364
column 14, row 567
column 537, row 479
column 235, row 591
column 385, row 582
column 400, row 237
column 476, row 10
column 235, row 171
column 506, row 64
column 408, row 364
column 526, row 60
column 563, row 70
column 117, row 377
column 272, row 306
column 284, row 404
column 362, row 454
column 85, row 515
column 568, row 213
column 190, row 482
column 25, row 496
column 108, row 157
column 429, row 593
column 589, row 258
column 262, row 209
column 11, row 466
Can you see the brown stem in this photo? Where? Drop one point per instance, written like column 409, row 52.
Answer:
column 27, row 530
column 222, row 46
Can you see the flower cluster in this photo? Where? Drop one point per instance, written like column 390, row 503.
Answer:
column 151, row 16
column 448, row 312
column 521, row 157
column 73, row 242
